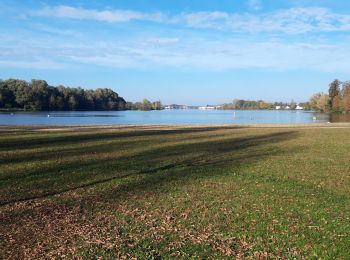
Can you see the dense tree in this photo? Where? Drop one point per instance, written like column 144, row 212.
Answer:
column 7, row 98
column 264, row 105
column 320, row 102
column 338, row 98
column 38, row 95
column 337, row 104
column 157, row 105
column 333, row 92
column 240, row 104
column 248, row 105
column 346, row 97
column 146, row 105
column 305, row 105
column 129, row 106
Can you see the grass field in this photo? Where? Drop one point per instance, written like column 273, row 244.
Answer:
column 175, row 192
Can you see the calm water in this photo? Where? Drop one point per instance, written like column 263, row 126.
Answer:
column 163, row 117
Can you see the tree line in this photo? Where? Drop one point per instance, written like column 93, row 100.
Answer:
column 337, row 100
column 145, row 105
column 240, row 104
column 38, row 95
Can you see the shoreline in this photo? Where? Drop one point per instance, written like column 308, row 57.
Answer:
column 167, row 126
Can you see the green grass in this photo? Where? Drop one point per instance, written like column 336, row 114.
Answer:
column 173, row 192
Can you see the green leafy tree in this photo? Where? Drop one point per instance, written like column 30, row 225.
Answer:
column 320, row 102
column 7, row 98
column 38, row 95
column 72, row 103
column 146, row 105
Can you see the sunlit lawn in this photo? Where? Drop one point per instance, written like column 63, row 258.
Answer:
column 163, row 192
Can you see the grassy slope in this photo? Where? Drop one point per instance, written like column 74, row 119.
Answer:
column 191, row 192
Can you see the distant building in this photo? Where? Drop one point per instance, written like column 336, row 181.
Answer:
column 278, row 107
column 287, row 107
column 299, row 108
column 207, row 108
column 192, row 107
column 174, row 106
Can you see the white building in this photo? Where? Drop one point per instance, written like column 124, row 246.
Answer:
column 207, row 108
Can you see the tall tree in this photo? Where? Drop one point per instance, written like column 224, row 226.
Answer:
column 157, row 105
column 7, row 98
column 333, row 92
column 320, row 101
column 293, row 105
column 346, row 97
column 146, row 104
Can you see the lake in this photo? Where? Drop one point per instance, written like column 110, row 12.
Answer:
column 165, row 117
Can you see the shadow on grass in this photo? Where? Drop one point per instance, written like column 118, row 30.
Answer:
column 95, row 145
column 144, row 170
column 13, row 143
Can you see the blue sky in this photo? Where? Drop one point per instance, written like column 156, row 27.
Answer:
column 190, row 52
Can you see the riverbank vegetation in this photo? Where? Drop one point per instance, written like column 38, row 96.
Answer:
column 336, row 101
column 38, row 95
column 240, row 104
column 174, row 192
column 145, row 105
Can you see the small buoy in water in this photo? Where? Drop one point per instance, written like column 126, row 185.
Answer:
column 328, row 122
column 314, row 118
column 48, row 115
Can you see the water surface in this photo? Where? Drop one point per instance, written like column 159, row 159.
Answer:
column 164, row 117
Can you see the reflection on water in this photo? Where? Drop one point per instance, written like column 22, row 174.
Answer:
column 338, row 118
column 332, row 118
column 168, row 117
column 78, row 114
